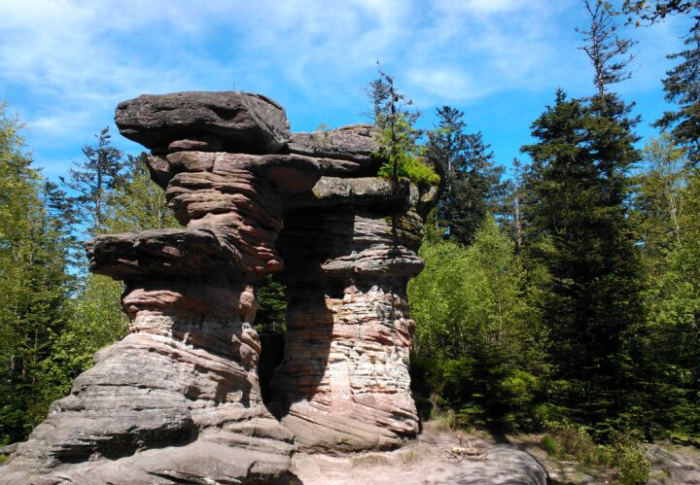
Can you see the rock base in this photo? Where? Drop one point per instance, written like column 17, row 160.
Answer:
column 425, row 461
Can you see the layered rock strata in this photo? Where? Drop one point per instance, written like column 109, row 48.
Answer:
column 178, row 400
column 349, row 249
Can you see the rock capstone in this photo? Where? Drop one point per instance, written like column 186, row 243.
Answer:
column 240, row 122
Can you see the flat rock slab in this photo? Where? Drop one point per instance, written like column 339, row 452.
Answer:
column 162, row 252
column 346, row 151
column 674, row 465
column 241, row 122
column 420, row 464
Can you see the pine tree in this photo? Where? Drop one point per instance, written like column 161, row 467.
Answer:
column 472, row 185
column 580, row 232
column 682, row 87
column 94, row 179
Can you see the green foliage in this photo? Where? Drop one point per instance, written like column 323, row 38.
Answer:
column 97, row 321
column 396, row 135
column 682, row 87
column 551, row 446
column 401, row 154
column 472, row 181
column 476, row 341
column 657, row 197
column 35, row 286
column 94, row 179
column 272, row 312
column 580, row 236
column 632, row 464
column 412, row 168
column 622, row 454
column 130, row 202
column 135, row 203
column 653, row 10
column 672, row 302
column 50, row 326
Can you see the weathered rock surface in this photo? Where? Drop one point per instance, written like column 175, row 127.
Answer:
column 344, row 383
column 178, row 400
column 425, row 461
column 674, row 465
column 347, row 151
column 241, row 122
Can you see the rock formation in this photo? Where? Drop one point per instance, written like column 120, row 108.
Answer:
column 178, row 400
column 349, row 251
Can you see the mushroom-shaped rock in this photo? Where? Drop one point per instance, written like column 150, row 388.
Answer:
column 179, row 400
column 243, row 122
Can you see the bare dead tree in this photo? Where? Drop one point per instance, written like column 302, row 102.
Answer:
column 609, row 53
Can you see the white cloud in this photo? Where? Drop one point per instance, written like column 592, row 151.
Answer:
column 69, row 62
column 448, row 84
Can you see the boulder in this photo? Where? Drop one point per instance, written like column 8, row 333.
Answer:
column 674, row 465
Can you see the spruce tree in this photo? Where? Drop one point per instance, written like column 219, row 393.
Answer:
column 682, row 87
column 472, row 185
column 580, row 232
column 94, row 179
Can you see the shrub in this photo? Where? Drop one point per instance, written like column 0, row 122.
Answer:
column 551, row 446
column 412, row 168
column 624, row 455
column 632, row 464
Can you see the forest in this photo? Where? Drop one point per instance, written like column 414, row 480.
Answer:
column 564, row 299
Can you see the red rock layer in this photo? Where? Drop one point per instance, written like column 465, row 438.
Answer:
column 344, row 382
column 178, row 400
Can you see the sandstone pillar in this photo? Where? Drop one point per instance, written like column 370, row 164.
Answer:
column 349, row 252
column 178, row 399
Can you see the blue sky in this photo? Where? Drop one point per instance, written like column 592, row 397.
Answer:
column 65, row 64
